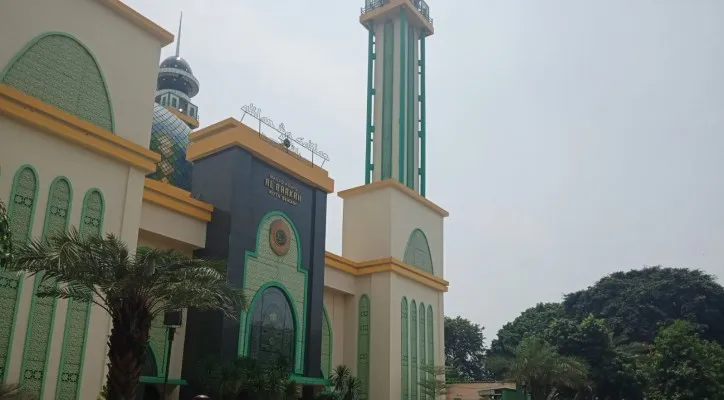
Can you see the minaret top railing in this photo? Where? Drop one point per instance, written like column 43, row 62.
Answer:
column 420, row 5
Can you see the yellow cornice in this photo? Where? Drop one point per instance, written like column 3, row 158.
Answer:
column 389, row 264
column 231, row 133
column 175, row 199
column 31, row 111
column 164, row 37
column 392, row 183
column 192, row 122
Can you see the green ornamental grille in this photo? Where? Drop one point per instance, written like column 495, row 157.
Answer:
column 60, row 71
column 413, row 349
column 430, row 344
column 24, row 193
column 405, row 348
column 417, row 252
column 363, row 347
column 42, row 309
column 421, row 336
column 78, row 316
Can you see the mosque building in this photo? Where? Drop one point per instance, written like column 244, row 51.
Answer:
column 77, row 79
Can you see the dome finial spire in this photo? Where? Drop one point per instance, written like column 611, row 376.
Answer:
column 178, row 38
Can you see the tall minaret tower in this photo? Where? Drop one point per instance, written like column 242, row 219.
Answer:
column 395, row 143
column 176, row 82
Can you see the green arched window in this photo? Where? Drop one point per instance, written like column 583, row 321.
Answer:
column 363, row 347
column 413, row 350
column 42, row 309
column 421, row 337
column 78, row 315
column 21, row 210
column 326, row 344
column 430, row 344
column 405, row 368
column 91, row 222
column 417, row 252
column 59, row 70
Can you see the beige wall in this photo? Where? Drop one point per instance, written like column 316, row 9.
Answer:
column 127, row 56
column 335, row 303
column 469, row 391
column 174, row 230
column 121, row 187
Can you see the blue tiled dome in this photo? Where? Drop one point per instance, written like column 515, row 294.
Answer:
column 169, row 138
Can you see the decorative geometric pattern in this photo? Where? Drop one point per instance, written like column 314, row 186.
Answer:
column 405, row 349
column 169, row 138
column 430, row 344
column 77, row 318
column 388, row 50
column 42, row 309
column 158, row 343
column 421, row 336
column 24, row 196
column 91, row 222
column 265, row 267
column 279, row 237
column 417, row 252
column 363, row 347
column 326, row 345
column 60, row 71
column 413, row 349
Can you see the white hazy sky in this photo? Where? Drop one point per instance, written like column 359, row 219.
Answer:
column 568, row 139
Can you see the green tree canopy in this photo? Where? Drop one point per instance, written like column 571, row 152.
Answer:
column 684, row 366
column 540, row 369
column 134, row 287
column 637, row 303
column 464, row 350
column 533, row 321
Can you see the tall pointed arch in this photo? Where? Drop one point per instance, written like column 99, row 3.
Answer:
column 58, row 69
column 413, row 350
column 404, row 336
column 363, row 347
column 417, row 252
column 327, row 344
column 21, row 211
column 78, row 314
column 41, row 316
column 422, row 359
column 430, row 346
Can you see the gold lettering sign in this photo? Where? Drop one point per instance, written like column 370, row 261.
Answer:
column 282, row 190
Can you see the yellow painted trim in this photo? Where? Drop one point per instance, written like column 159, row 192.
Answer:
column 175, row 199
column 193, row 123
column 389, row 264
column 31, row 111
column 392, row 183
column 231, row 133
column 136, row 18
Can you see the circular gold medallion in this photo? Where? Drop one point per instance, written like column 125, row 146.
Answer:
column 279, row 237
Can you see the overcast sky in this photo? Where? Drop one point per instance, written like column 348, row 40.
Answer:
column 568, row 139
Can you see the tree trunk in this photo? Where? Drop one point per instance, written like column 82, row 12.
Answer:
column 127, row 348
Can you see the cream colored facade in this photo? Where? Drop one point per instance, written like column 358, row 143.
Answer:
column 378, row 218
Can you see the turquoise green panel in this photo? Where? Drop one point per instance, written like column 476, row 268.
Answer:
column 363, row 347
column 417, row 252
column 388, row 73
column 411, row 106
column 423, row 118
column 265, row 268
column 430, row 343
column 78, row 316
column 370, row 100
column 413, row 350
column 57, row 69
column 422, row 344
column 41, row 316
column 404, row 335
column 21, row 210
column 326, row 345
column 403, row 92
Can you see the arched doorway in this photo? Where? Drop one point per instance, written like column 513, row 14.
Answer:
column 272, row 329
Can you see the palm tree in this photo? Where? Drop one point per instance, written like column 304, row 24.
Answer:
column 133, row 287
column 540, row 369
column 6, row 242
column 345, row 386
column 12, row 392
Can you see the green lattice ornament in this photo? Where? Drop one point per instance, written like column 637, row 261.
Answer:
column 6, row 245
